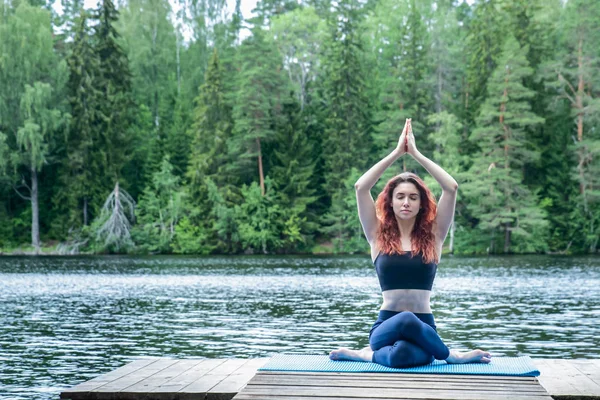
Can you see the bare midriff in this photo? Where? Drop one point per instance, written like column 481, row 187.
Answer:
column 414, row 300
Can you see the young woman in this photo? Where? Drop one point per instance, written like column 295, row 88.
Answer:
column 406, row 231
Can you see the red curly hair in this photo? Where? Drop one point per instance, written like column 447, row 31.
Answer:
column 422, row 237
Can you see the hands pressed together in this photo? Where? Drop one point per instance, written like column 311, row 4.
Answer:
column 406, row 143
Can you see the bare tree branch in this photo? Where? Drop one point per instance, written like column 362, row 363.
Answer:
column 19, row 193
column 562, row 78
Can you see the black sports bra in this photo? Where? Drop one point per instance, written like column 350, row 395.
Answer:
column 401, row 271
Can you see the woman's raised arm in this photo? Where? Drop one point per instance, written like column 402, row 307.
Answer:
column 447, row 202
column 363, row 186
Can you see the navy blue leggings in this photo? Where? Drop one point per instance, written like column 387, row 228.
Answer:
column 405, row 339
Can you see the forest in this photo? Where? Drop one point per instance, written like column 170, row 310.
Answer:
column 180, row 127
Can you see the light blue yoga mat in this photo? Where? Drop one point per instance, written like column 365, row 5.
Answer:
column 509, row 366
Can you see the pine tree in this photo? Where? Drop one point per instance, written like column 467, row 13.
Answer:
column 178, row 141
column 68, row 20
column 393, row 95
column 82, row 169
column 341, row 223
column 485, row 37
column 117, row 104
column 159, row 210
column 575, row 77
column 294, row 176
column 257, row 105
column 405, row 84
column 223, row 217
column 348, row 128
column 259, row 219
column 210, row 132
column 497, row 196
column 447, row 139
column 348, row 122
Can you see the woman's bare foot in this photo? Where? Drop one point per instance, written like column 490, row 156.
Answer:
column 365, row 354
column 473, row 356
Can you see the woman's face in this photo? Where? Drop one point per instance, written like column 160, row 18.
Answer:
column 406, row 201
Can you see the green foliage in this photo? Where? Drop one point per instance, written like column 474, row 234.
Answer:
column 191, row 108
column 115, row 82
column 158, row 211
column 39, row 121
column 80, row 195
column 497, row 196
column 257, row 104
column 210, row 133
column 342, row 222
column 259, row 219
column 190, row 239
column 485, row 37
column 149, row 37
column 347, row 136
column 223, row 216
column 298, row 35
column 26, row 57
column 293, row 174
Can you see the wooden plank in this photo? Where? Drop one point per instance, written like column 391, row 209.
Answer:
column 388, row 393
column 553, row 380
column 365, row 382
column 590, row 368
column 160, row 378
column 585, row 385
column 292, row 385
column 245, row 396
column 233, row 383
column 212, row 378
column 101, row 380
column 193, row 374
column 562, row 378
column 118, row 385
column 385, row 376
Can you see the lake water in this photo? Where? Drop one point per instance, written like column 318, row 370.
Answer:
column 65, row 320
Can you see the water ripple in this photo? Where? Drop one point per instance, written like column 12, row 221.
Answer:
column 68, row 319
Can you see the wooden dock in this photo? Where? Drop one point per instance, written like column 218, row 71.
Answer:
column 224, row 379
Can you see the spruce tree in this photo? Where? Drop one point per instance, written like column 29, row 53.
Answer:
column 210, row 132
column 257, row 105
column 294, row 176
column 405, row 83
column 82, row 170
column 497, row 196
column 178, row 141
column 573, row 75
column 348, row 129
column 394, row 103
column 159, row 210
column 485, row 37
column 117, row 104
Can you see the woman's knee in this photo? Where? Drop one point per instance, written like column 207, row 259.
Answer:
column 405, row 354
column 408, row 323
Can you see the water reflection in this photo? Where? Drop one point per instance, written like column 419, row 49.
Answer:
column 66, row 320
